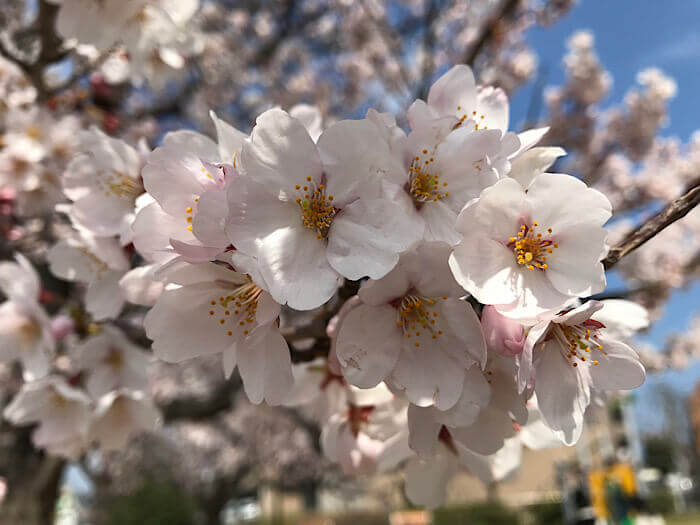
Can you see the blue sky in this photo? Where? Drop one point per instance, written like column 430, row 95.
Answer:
column 630, row 36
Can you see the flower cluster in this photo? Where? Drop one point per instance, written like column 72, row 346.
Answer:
column 471, row 263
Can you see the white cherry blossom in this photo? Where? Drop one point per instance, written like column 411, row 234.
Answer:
column 210, row 309
column 314, row 213
column 25, row 329
column 568, row 355
column 119, row 415
column 100, row 262
column 530, row 250
column 413, row 331
column 62, row 411
column 103, row 183
column 112, row 362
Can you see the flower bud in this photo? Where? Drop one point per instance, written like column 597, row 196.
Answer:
column 503, row 335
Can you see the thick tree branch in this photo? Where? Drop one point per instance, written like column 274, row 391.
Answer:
column 675, row 210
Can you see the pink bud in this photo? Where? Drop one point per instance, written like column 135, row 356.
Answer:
column 61, row 326
column 502, row 335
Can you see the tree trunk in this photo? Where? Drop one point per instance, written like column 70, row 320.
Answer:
column 33, row 481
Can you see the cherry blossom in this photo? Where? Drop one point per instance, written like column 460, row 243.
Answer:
column 413, row 331
column 62, row 411
column 100, row 262
column 312, row 213
column 529, row 250
column 25, row 329
column 119, row 415
column 210, row 309
column 568, row 355
column 112, row 362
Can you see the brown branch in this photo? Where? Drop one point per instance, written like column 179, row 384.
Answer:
column 197, row 408
column 490, row 31
column 675, row 210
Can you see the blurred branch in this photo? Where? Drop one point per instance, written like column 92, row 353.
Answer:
column 490, row 30
column 675, row 210
column 51, row 48
column 196, row 408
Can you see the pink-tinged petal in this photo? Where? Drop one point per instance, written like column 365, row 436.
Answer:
column 356, row 158
column 562, row 394
column 367, row 237
column 173, row 172
column 563, row 202
column 427, row 375
column 618, row 368
column 503, row 336
column 423, row 430
column 368, row 344
column 265, row 365
column 280, row 154
column 486, row 269
column 454, row 93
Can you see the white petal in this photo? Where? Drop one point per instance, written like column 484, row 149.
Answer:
column 140, row 286
column 486, row 269
column 103, row 298
column 475, row 396
column 181, row 327
column 367, row 237
column 294, row 265
column 265, row 365
column 423, row 430
column 561, row 202
column 280, row 153
column 618, row 368
column 562, row 394
column 426, row 480
column 229, row 139
column 368, row 344
column 428, row 375
column 454, row 92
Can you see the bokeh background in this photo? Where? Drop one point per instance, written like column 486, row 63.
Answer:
column 617, row 82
